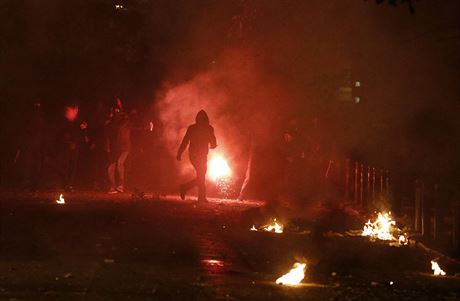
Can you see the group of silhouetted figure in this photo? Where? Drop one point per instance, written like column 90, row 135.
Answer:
column 100, row 145
column 95, row 150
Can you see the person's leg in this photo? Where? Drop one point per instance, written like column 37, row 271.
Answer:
column 201, row 167
column 72, row 169
column 121, row 171
column 111, row 175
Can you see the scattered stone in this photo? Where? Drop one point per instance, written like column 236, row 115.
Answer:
column 109, row 260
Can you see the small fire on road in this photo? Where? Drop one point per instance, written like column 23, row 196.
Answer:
column 61, row 199
column 437, row 271
column 294, row 276
column 384, row 228
column 274, row 226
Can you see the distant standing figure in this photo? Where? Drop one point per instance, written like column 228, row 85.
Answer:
column 33, row 147
column 118, row 147
column 201, row 137
column 69, row 138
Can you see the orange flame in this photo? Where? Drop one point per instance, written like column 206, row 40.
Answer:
column 294, row 276
column 61, row 199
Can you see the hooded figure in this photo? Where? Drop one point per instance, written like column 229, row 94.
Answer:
column 201, row 137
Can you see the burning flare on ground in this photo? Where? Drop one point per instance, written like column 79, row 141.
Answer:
column 61, row 200
column 384, row 228
column 219, row 168
column 294, row 276
column 437, row 271
column 274, row 227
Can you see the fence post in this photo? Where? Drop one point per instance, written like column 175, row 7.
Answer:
column 435, row 213
column 361, row 185
column 373, row 184
column 418, row 206
column 347, row 179
column 387, row 181
column 355, row 189
column 425, row 212
column 456, row 225
column 368, row 186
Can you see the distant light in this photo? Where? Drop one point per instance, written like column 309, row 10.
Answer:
column 358, row 84
column 357, row 99
column 119, row 6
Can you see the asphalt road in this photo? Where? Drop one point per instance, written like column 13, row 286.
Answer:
column 96, row 247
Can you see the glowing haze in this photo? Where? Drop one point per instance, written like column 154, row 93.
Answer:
column 239, row 97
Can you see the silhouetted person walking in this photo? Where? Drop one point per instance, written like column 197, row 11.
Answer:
column 201, row 137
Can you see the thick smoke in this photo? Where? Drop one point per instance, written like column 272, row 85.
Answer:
column 240, row 98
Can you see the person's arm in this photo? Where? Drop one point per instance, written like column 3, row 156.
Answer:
column 212, row 139
column 183, row 145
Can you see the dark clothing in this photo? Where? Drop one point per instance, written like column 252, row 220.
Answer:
column 119, row 136
column 200, row 136
column 68, row 143
column 33, row 150
column 201, row 166
column 119, row 145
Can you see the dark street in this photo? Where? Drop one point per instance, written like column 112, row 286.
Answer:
column 96, row 247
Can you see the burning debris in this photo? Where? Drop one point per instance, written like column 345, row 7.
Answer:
column 274, row 226
column 384, row 228
column 61, row 199
column 402, row 240
column 437, row 271
column 294, row 276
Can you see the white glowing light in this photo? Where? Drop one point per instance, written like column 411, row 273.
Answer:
column 274, row 227
column 294, row 276
column 219, row 168
column 61, row 200
column 253, row 228
column 437, row 271
column 381, row 229
column 403, row 240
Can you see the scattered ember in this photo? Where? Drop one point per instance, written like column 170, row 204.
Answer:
column 437, row 271
column 225, row 187
column 253, row 228
column 61, row 200
column 294, row 276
